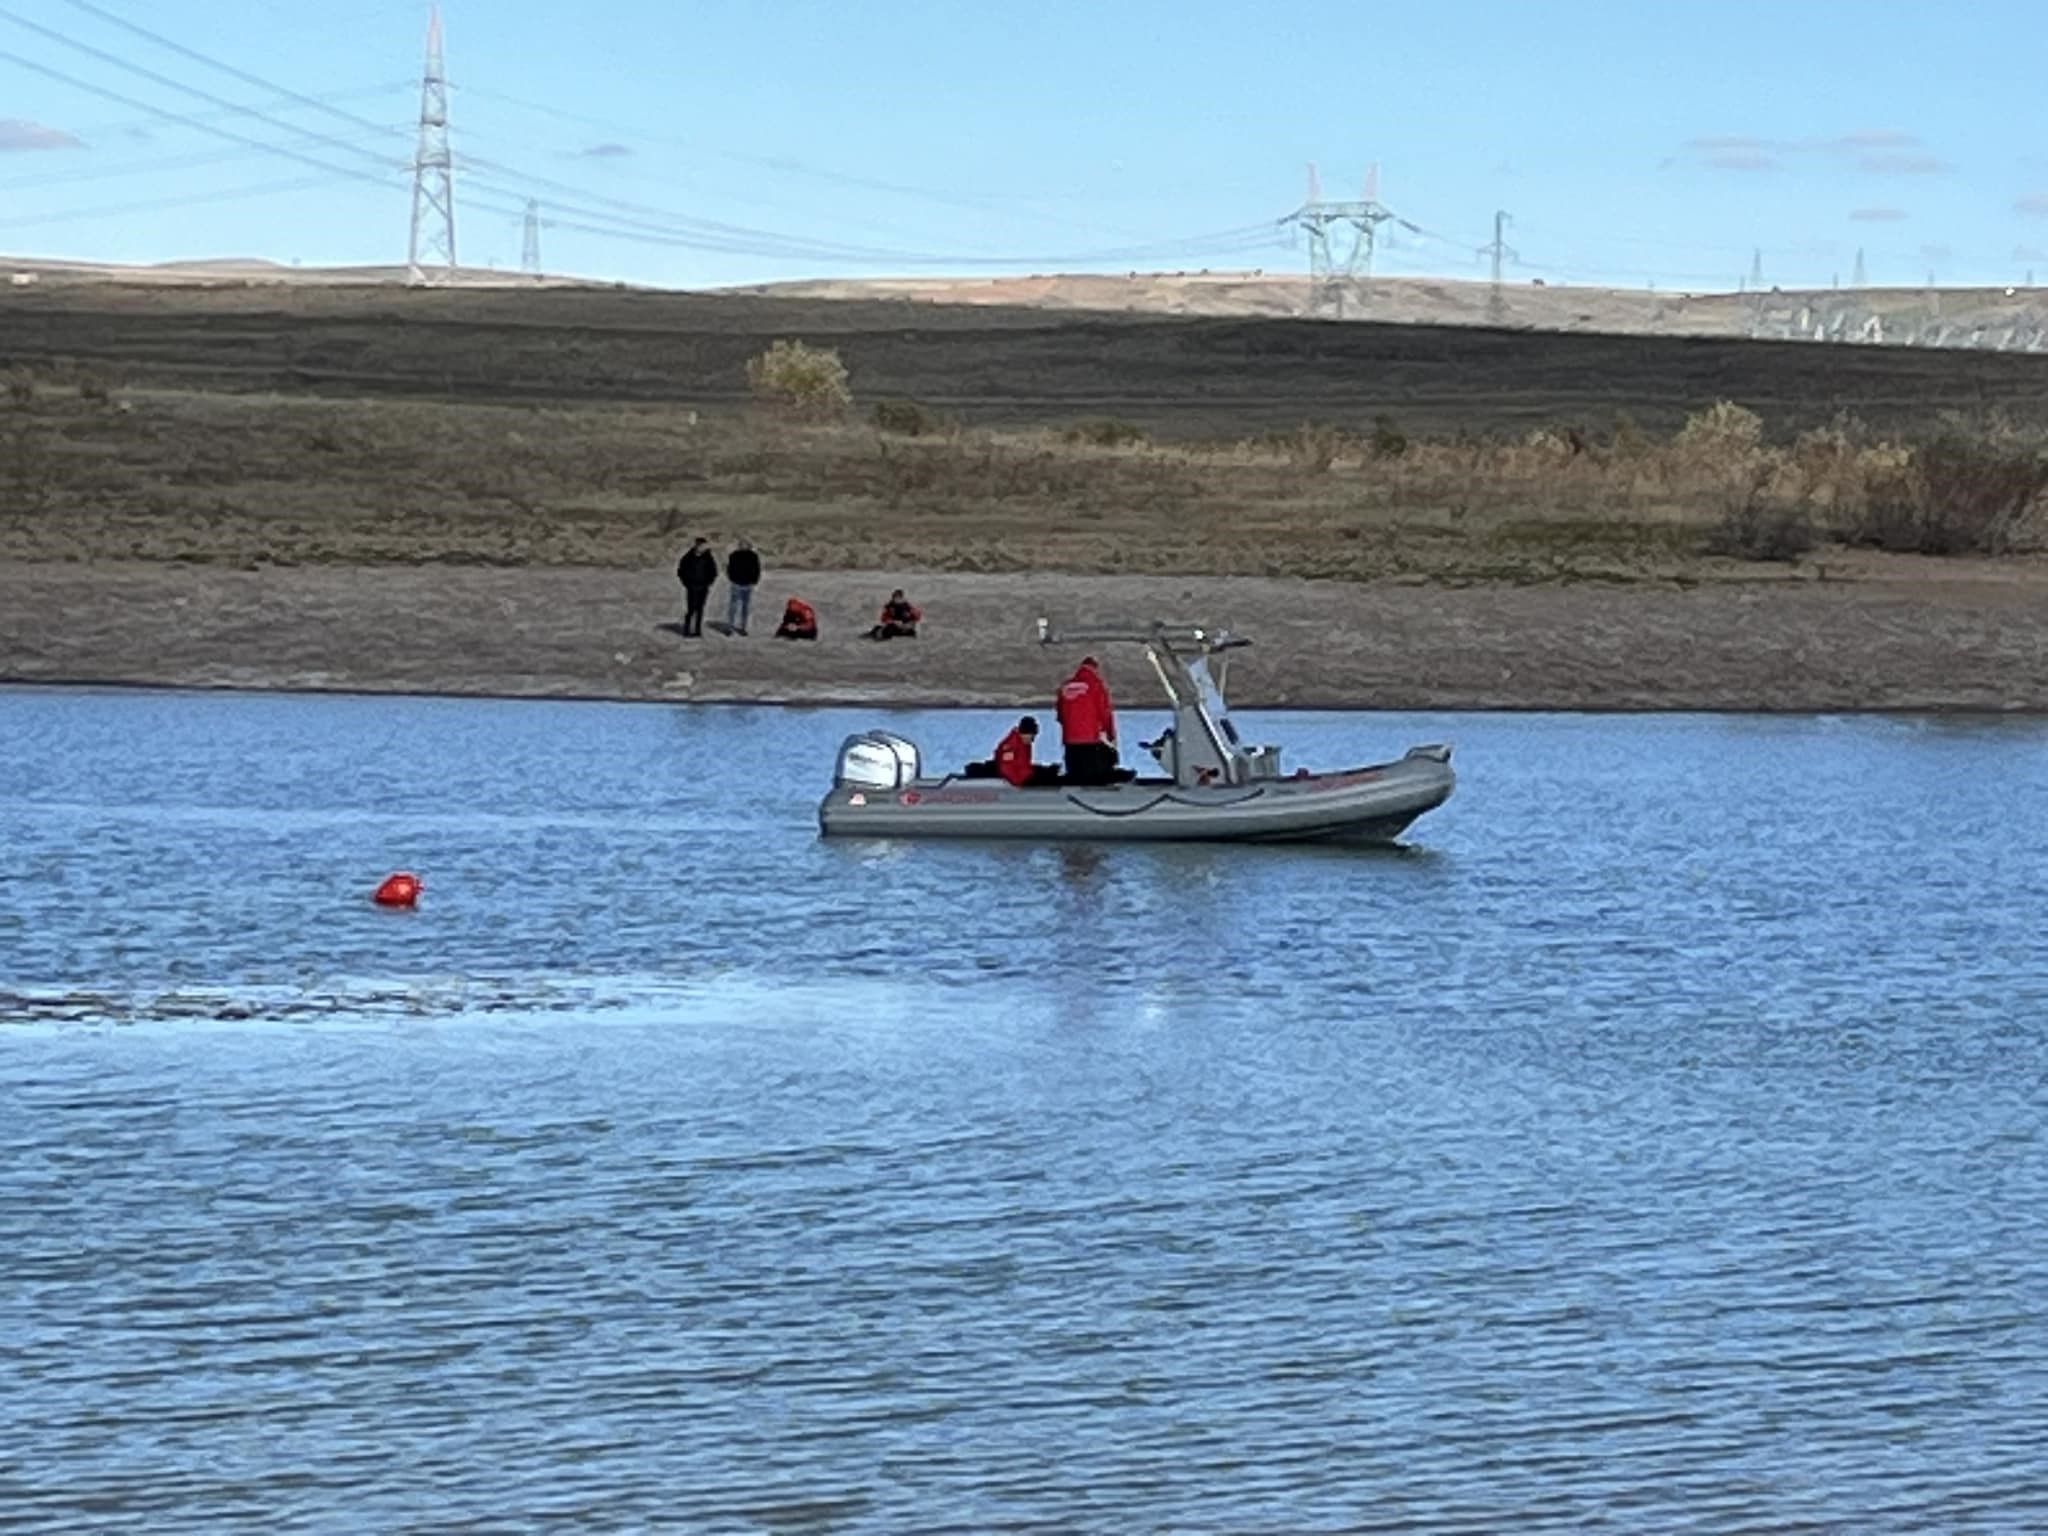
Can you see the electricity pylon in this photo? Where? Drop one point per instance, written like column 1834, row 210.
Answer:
column 433, row 173
column 529, row 244
column 1332, row 280
column 1500, row 251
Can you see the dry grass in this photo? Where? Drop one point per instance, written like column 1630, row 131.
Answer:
column 88, row 472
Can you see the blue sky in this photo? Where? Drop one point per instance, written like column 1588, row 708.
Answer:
column 721, row 141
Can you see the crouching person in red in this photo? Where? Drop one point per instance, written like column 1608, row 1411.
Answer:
column 1088, row 727
column 1013, row 757
column 799, row 621
column 899, row 620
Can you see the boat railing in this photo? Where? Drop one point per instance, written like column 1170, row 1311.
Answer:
column 1203, row 637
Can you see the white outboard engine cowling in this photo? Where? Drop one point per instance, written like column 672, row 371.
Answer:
column 877, row 760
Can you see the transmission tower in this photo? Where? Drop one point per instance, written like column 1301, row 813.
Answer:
column 433, row 179
column 1332, row 280
column 1756, row 271
column 1500, row 251
column 529, row 244
column 1856, row 278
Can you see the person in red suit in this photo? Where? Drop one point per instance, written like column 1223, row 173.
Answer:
column 1088, row 726
column 1013, row 757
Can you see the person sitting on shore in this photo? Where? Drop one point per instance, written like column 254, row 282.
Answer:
column 899, row 619
column 799, row 621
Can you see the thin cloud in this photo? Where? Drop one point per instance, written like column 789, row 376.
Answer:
column 19, row 133
column 1877, row 215
column 605, row 151
column 1903, row 165
column 1742, row 160
column 2033, row 206
column 2030, row 253
column 1874, row 151
column 1875, row 138
column 1936, row 253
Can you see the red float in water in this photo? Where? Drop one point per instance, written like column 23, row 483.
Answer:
column 399, row 890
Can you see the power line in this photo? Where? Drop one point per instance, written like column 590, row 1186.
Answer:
column 355, row 93
column 980, row 203
column 162, row 204
column 185, row 120
column 191, row 90
column 632, row 221
column 315, row 102
column 134, row 168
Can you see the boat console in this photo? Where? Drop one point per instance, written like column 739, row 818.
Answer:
column 1202, row 746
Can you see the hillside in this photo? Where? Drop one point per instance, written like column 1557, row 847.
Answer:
column 991, row 365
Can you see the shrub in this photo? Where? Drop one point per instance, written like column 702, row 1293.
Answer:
column 1106, row 432
column 1956, row 495
column 810, row 381
column 1314, row 445
column 906, row 418
column 21, row 387
column 1386, row 441
column 1627, row 440
column 1757, row 527
column 1724, row 430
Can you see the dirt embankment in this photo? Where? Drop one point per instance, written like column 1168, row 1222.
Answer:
column 1977, row 640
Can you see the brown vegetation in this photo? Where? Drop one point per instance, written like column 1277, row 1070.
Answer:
column 178, row 475
column 589, row 428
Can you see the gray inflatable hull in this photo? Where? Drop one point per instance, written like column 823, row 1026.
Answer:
column 1361, row 805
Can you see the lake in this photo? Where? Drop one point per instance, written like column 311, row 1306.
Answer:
column 1655, row 1142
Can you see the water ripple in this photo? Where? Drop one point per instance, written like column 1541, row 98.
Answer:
column 1657, row 1148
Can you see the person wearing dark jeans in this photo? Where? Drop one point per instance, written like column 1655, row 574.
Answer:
column 742, row 575
column 697, row 570
column 1088, row 727
column 1093, row 763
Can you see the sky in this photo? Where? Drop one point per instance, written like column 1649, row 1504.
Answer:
column 731, row 141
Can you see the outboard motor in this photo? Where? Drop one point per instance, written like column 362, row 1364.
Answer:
column 877, row 760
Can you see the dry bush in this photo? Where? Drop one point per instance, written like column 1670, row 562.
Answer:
column 906, row 418
column 1760, row 525
column 1955, row 495
column 1627, row 440
column 1723, row 431
column 1106, row 432
column 809, row 381
column 1386, row 441
column 1314, row 446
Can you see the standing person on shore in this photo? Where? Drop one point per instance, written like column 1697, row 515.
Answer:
column 1087, row 726
column 742, row 575
column 697, row 570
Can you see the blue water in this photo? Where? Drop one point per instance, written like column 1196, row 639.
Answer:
column 1656, row 1143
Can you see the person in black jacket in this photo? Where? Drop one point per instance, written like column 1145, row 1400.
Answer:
column 742, row 574
column 697, row 570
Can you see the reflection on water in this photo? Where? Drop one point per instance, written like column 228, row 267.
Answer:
column 1656, row 1142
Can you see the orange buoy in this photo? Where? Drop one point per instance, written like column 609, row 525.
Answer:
column 399, row 890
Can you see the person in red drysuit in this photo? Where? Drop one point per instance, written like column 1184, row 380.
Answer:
column 1013, row 756
column 1088, row 726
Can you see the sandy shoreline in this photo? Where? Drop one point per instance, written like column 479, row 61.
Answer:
column 1910, row 637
